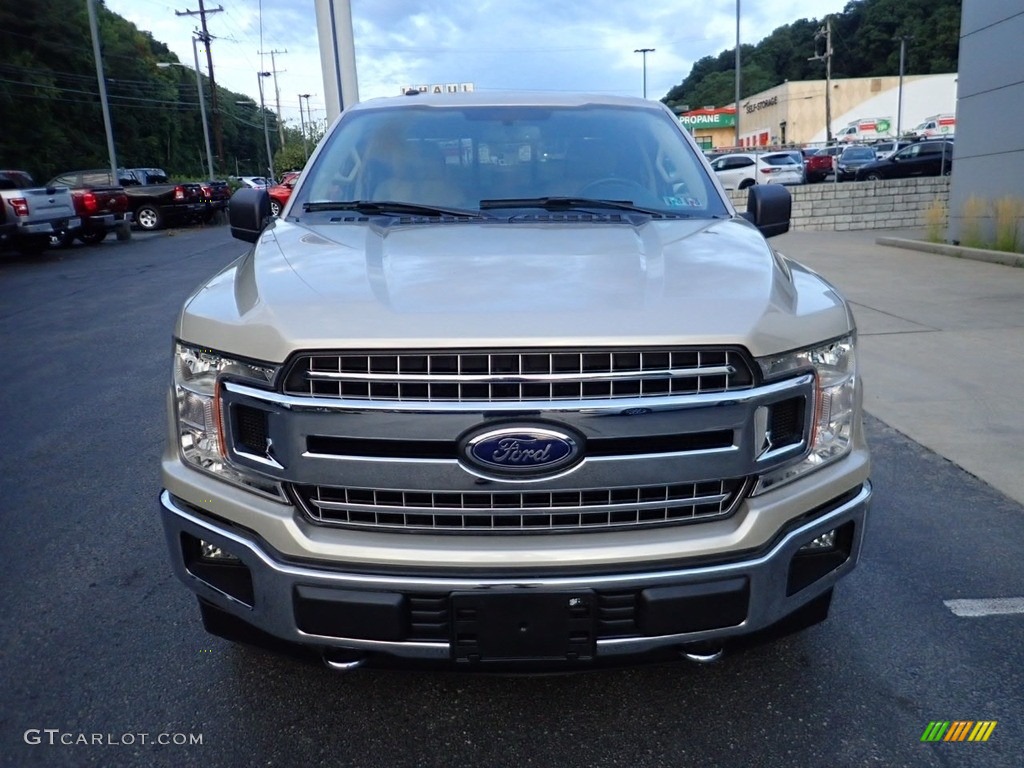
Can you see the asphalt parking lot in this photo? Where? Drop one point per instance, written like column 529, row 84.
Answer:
column 102, row 654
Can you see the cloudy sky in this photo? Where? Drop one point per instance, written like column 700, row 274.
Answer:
column 574, row 45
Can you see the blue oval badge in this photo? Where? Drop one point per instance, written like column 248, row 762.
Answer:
column 521, row 450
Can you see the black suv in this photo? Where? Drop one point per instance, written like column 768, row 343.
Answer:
column 925, row 158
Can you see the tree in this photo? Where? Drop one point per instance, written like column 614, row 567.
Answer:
column 49, row 97
column 864, row 45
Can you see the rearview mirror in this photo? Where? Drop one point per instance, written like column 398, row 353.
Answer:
column 249, row 213
column 769, row 207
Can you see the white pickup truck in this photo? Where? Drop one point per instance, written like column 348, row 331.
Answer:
column 31, row 215
column 511, row 383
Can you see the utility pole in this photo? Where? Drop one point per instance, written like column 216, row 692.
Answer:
column 266, row 133
column 826, row 32
column 738, row 71
column 124, row 231
column 305, row 146
column 277, row 93
column 206, row 38
column 899, row 108
column 102, row 83
column 644, row 51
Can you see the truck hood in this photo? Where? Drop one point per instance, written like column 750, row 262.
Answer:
column 496, row 283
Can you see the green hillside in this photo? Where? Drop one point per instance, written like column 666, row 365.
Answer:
column 864, row 44
column 49, row 98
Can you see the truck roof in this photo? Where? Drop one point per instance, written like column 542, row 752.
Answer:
column 504, row 99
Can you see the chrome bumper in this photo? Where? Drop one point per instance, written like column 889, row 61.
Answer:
column 275, row 583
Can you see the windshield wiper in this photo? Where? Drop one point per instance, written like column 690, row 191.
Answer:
column 573, row 203
column 388, row 208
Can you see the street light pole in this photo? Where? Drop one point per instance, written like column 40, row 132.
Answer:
column 305, row 147
column 202, row 101
column 644, row 51
column 899, row 108
column 266, row 132
column 738, row 73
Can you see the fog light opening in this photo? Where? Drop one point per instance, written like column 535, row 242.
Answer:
column 819, row 557
column 822, row 543
column 218, row 568
column 212, row 553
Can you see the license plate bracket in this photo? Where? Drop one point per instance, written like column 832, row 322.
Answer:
column 522, row 625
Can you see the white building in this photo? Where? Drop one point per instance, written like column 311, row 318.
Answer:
column 794, row 112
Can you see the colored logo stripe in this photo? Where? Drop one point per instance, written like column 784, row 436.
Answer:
column 959, row 730
column 982, row 730
column 935, row 731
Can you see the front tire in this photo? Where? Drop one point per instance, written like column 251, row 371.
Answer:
column 34, row 245
column 93, row 238
column 275, row 208
column 62, row 239
column 148, row 218
column 873, row 176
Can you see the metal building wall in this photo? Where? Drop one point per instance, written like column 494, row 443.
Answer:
column 988, row 159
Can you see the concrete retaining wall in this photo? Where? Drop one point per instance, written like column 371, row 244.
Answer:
column 893, row 204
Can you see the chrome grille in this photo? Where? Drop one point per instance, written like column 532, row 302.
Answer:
column 519, row 375
column 519, row 511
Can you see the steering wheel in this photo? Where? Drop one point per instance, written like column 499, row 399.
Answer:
column 614, row 188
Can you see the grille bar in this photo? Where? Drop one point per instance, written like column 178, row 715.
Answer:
column 338, row 506
column 669, row 373
column 518, row 375
column 514, row 511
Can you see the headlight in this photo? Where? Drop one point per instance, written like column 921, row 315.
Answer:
column 835, row 404
column 197, row 412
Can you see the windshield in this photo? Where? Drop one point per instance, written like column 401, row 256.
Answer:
column 859, row 153
column 508, row 157
column 780, row 160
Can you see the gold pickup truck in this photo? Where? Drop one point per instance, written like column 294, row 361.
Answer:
column 509, row 383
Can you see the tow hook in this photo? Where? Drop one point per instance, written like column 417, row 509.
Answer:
column 342, row 661
column 702, row 653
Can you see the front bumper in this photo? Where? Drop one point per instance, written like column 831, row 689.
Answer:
column 459, row 617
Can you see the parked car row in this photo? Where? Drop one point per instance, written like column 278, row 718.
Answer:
column 87, row 205
column 883, row 159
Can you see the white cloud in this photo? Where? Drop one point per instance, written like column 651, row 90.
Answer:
column 497, row 44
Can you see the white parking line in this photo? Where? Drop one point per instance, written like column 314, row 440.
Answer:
column 996, row 606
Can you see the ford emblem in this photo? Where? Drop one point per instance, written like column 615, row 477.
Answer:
column 521, row 450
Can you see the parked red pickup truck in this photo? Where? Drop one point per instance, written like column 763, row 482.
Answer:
column 101, row 206
column 820, row 166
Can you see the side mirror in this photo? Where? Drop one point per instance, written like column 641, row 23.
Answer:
column 249, row 213
column 769, row 207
